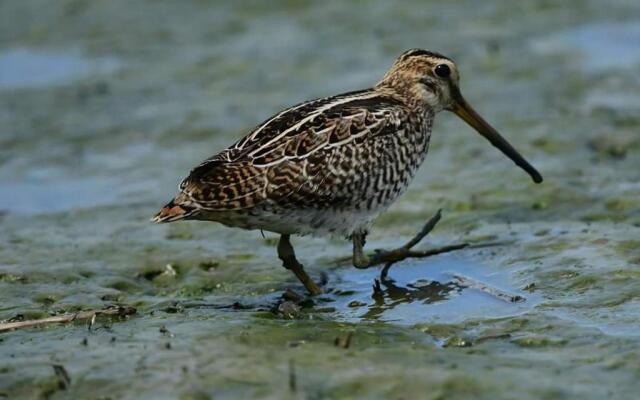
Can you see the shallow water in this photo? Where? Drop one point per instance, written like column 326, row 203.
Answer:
column 600, row 46
column 29, row 68
column 420, row 292
column 105, row 106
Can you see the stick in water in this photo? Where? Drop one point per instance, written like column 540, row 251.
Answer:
column 502, row 295
column 119, row 311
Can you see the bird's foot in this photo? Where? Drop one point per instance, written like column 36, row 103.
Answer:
column 289, row 261
column 390, row 257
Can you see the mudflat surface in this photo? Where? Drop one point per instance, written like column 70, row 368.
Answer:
column 105, row 106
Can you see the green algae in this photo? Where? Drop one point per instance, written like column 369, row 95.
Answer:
column 538, row 341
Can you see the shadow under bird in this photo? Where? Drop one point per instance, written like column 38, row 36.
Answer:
column 330, row 166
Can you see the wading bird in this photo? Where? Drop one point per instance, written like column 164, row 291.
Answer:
column 330, row 166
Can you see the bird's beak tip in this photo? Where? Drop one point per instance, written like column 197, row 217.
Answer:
column 537, row 178
column 463, row 110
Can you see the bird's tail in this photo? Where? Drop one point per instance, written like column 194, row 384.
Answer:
column 173, row 212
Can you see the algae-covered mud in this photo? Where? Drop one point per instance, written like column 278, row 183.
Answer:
column 104, row 107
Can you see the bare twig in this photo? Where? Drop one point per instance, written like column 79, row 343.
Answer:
column 119, row 311
column 388, row 258
column 422, row 254
column 502, row 295
column 426, row 229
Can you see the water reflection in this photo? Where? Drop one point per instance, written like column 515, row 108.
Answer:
column 387, row 295
column 424, row 291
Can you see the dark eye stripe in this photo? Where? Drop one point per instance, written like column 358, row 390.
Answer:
column 431, row 85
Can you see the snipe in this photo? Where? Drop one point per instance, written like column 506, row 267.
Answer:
column 330, row 166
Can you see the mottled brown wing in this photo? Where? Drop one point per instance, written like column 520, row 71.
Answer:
column 225, row 186
column 288, row 121
column 287, row 159
column 337, row 175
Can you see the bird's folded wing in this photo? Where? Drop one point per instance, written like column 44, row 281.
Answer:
column 288, row 160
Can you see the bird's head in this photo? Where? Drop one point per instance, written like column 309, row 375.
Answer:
column 429, row 80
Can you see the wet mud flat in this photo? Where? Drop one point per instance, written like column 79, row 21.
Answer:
column 103, row 111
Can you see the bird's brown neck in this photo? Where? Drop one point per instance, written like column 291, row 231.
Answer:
column 404, row 92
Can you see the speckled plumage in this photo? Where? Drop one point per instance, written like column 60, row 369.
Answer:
column 326, row 166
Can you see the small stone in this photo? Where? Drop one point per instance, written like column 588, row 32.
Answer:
column 165, row 332
column 289, row 309
column 456, row 341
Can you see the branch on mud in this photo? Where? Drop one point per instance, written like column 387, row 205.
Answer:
column 497, row 293
column 119, row 311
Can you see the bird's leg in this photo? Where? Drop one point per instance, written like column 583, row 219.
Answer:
column 390, row 257
column 289, row 261
column 360, row 260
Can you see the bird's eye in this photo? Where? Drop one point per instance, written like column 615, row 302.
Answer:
column 442, row 70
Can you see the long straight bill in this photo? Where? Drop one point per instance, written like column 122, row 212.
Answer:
column 463, row 110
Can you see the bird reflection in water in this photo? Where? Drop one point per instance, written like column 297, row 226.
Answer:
column 387, row 295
